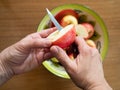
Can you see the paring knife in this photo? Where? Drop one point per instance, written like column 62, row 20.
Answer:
column 58, row 26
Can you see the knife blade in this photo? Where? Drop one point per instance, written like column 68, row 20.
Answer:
column 58, row 26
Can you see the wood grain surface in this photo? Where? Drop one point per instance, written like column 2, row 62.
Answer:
column 19, row 18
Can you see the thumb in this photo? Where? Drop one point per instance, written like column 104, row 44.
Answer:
column 61, row 55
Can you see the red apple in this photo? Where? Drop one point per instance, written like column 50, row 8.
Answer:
column 63, row 38
column 81, row 31
column 63, row 13
column 68, row 19
column 91, row 43
column 89, row 28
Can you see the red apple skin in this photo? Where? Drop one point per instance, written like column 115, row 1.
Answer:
column 67, row 39
column 63, row 13
column 89, row 28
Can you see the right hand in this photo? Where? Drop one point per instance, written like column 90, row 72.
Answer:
column 86, row 70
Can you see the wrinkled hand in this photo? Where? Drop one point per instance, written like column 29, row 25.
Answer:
column 27, row 53
column 86, row 70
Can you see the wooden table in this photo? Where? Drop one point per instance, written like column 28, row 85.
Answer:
column 21, row 17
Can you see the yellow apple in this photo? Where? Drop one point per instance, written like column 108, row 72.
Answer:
column 68, row 19
column 91, row 43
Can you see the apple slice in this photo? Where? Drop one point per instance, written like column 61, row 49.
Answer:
column 68, row 19
column 64, row 37
column 91, row 43
column 89, row 28
column 81, row 31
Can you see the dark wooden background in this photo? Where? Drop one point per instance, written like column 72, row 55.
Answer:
column 21, row 17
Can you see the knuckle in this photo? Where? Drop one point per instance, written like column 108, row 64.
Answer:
column 70, row 68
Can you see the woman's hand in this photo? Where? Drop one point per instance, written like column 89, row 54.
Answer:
column 86, row 70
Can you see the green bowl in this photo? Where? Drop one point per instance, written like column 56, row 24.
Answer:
column 100, row 37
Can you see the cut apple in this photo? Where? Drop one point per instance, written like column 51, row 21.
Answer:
column 81, row 31
column 89, row 28
column 91, row 43
column 63, row 13
column 63, row 38
column 68, row 19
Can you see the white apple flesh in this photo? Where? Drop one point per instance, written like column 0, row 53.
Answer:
column 89, row 28
column 81, row 31
column 91, row 43
column 63, row 38
column 69, row 19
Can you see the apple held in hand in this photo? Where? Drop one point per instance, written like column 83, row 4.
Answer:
column 63, row 38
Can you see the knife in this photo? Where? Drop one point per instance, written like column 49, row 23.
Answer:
column 58, row 26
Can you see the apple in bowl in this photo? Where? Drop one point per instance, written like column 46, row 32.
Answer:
column 64, row 17
column 68, row 19
column 90, row 29
column 91, row 43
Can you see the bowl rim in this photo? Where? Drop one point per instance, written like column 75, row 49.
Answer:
column 84, row 9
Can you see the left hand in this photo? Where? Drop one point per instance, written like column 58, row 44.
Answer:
column 27, row 53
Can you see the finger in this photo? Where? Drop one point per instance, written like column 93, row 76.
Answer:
column 61, row 55
column 82, row 45
column 40, row 43
column 48, row 55
column 28, row 43
column 41, row 56
column 46, row 32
